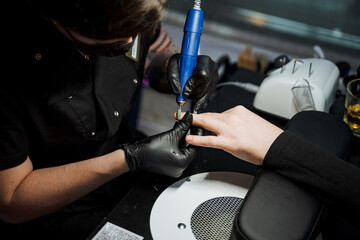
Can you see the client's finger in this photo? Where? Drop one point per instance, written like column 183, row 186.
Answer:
column 181, row 115
column 203, row 141
column 209, row 121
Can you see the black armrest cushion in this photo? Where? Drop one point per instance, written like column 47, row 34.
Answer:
column 275, row 207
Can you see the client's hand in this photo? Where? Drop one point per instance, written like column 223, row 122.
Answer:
column 237, row 131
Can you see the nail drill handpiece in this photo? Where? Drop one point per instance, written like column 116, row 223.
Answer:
column 189, row 48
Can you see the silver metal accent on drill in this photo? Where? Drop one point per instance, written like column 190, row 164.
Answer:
column 197, row 4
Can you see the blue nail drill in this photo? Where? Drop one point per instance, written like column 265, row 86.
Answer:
column 189, row 48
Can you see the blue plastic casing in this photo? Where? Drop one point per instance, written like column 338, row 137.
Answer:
column 190, row 47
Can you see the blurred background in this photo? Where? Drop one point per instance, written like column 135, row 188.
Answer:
column 290, row 27
column 261, row 29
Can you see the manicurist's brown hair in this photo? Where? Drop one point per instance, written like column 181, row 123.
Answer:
column 104, row 19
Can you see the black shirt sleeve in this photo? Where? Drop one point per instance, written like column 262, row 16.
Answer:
column 13, row 139
column 330, row 178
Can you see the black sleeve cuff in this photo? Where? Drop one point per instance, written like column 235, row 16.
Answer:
column 274, row 153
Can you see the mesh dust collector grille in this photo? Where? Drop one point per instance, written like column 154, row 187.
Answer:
column 213, row 219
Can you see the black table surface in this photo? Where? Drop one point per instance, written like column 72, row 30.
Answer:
column 133, row 211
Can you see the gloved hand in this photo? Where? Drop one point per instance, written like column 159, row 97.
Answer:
column 165, row 153
column 200, row 85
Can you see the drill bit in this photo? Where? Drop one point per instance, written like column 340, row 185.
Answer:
column 178, row 113
column 181, row 103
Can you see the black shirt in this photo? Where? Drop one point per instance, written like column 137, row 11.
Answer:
column 57, row 106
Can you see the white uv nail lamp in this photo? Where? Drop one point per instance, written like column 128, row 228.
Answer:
column 275, row 95
column 202, row 206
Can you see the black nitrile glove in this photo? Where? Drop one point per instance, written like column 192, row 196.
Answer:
column 165, row 153
column 200, row 85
